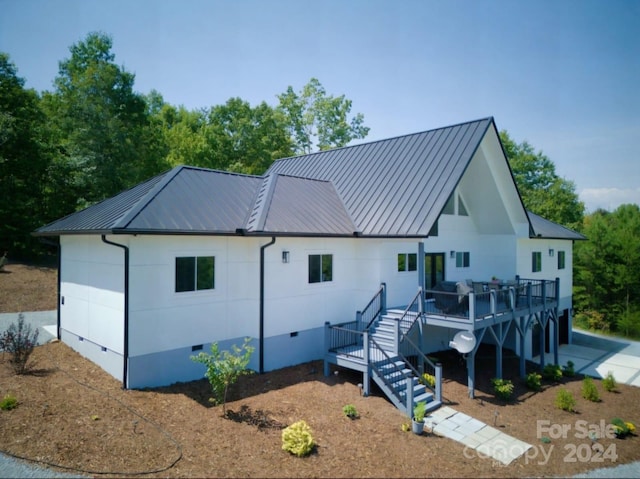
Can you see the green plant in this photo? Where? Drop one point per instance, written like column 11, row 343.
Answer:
column 297, row 439
column 589, row 390
column 545, row 439
column 503, row 388
column 419, row 410
column 565, row 401
column 406, row 427
column 428, row 380
column 19, row 341
column 609, row 382
column 552, row 372
column 224, row 368
column 569, row 370
column 533, row 381
column 350, row 411
column 622, row 428
column 8, row 402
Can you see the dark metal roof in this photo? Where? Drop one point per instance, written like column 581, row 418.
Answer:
column 398, row 186
column 543, row 228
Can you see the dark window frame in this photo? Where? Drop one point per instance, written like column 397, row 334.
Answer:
column 536, row 261
column 194, row 273
column 407, row 262
column 463, row 259
column 562, row 260
column 320, row 268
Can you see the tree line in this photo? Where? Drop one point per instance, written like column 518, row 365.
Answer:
column 93, row 136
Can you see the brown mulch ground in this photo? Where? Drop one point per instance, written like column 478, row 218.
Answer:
column 73, row 414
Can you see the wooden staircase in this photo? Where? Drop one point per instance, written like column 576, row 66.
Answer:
column 393, row 374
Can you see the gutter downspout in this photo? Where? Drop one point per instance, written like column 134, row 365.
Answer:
column 125, row 358
column 261, row 339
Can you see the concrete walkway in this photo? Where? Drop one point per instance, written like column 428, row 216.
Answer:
column 480, row 439
column 595, row 355
column 45, row 321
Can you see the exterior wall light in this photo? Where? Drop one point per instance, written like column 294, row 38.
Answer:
column 285, row 256
column 550, row 251
column 452, row 254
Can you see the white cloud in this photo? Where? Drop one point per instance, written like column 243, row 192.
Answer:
column 608, row 198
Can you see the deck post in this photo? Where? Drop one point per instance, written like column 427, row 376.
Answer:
column 366, row 375
column 421, row 278
column 327, row 345
column 499, row 353
column 439, row 382
column 471, row 373
column 522, row 330
column 472, row 306
column 410, row 395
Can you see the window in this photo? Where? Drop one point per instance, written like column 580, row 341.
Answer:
column 536, row 261
column 560, row 259
column 463, row 259
column 195, row 273
column 320, row 268
column 407, row 262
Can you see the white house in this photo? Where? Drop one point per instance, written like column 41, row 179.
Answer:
column 195, row 256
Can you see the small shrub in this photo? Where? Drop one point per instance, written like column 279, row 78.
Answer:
column 533, row 381
column 503, row 388
column 419, row 410
column 297, row 439
column 622, row 428
column 569, row 370
column 552, row 372
column 350, row 411
column 589, row 390
column 565, row 401
column 9, row 402
column 609, row 382
column 428, row 380
column 406, row 427
column 545, row 439
column 19, row 342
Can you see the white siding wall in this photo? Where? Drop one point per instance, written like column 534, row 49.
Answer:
column 92, row 291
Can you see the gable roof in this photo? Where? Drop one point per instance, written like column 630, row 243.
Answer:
column 543, row 228
column 388, row 188
column 398, row 186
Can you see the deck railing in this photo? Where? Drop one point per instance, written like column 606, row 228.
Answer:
column 497, row 299
column 411, row 313
column 376, row 306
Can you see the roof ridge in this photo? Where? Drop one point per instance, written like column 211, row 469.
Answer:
column 257, row 217
column 373, row 142
column 143, row 202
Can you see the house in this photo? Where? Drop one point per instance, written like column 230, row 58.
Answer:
column 312, row 258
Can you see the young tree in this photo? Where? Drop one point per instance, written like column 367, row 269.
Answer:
column 312, row 114
column 224, row 368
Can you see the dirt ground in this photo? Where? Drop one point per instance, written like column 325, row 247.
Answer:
column 74, row 415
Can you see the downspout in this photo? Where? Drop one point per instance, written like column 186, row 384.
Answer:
column 125, row 358
column 261, row 338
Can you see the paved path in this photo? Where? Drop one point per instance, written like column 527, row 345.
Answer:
column 45, row 321
column 479, row 438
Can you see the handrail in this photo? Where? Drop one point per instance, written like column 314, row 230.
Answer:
column 377, row 301
column 422, row 356
column 405, row 326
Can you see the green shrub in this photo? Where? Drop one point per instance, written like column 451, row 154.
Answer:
column 609, row 382
column 569, row 370
column 19, row 341
column 589, row 390
column 428, row 380
column 350, row 411
column 565, row 401
column 533, row 381
column 419, row 410
column 297, row 439
column 224, row 368
column 552, row 372
column 9, row 402
column 622, row 428
column 503, row 388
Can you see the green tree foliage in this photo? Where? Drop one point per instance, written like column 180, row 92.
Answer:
column 607, row 269
column 100, row 122
column 542, row 190
column 224, row 368
column 23, row 162
column 312, row 114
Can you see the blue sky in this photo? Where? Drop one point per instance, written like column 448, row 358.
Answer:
column 562, row 75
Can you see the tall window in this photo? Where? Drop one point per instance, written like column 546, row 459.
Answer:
column 320, row 268
column 536, row 261
column 463, row 259
column 560, row 259
column 195, row 273
column 407, row 262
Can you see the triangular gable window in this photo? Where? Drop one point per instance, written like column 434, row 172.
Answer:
column 462, row 209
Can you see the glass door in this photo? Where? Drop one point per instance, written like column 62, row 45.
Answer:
column 433, row 270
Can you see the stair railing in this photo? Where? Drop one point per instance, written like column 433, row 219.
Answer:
column 375, row 307
column 379, row 350
column 424, row 365
column 407, row 320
